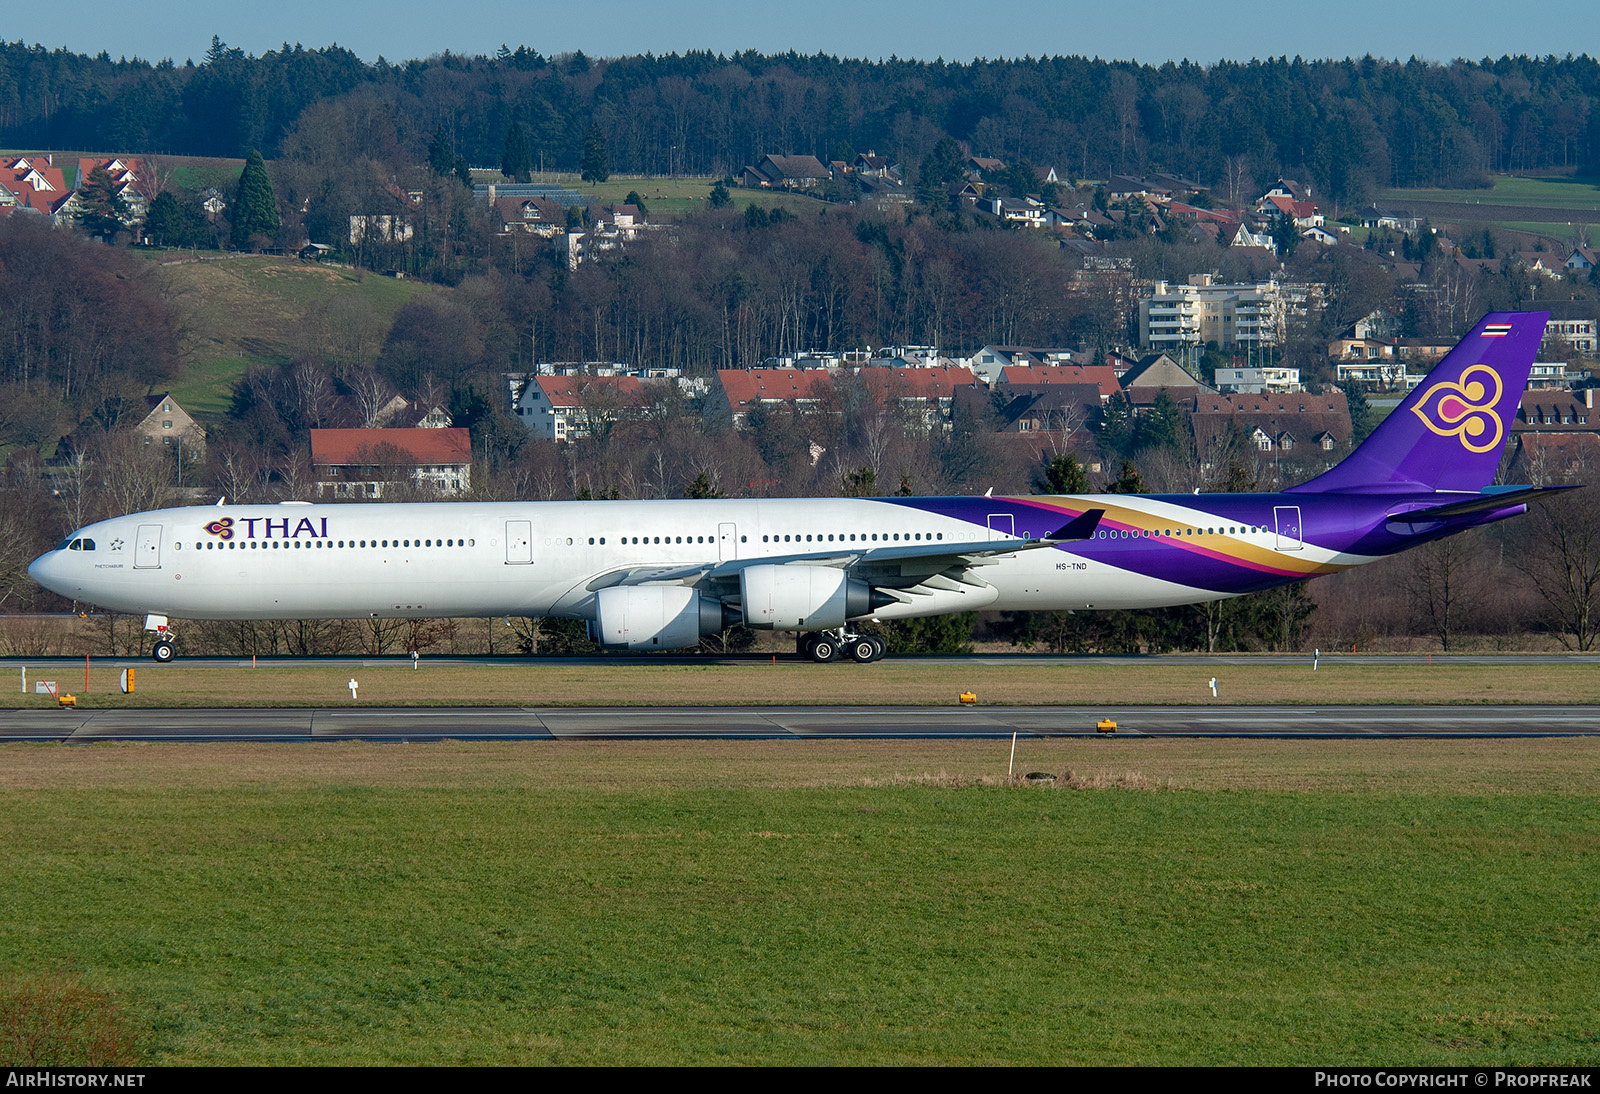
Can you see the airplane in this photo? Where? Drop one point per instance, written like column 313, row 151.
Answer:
column 659, row 575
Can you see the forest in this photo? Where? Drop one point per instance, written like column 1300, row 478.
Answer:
column 1350, row 126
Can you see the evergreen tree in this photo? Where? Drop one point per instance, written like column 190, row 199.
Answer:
column 635, row 200
column 441, row 157
column 1116, row 424
column 701, row 488
column 1129, row 481
column 1285, row 235
column 596, row 164
column 255, row 207
column 720, row 198
column 1361, row 417
column 940, row 167
column 103, row 213
column 1062, row 475
column 1163, row 426
column 174, row 223
column 516, row 162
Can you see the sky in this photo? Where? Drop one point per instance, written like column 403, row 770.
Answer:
column 1152, row 31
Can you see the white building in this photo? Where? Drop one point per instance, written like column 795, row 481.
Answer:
column 1246, row 316
column 1258, row 381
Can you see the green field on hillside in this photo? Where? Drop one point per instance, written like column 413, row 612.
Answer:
column 1532, row 193
column 240, row 310
column 671, row 197
column 816, row 902
column 1513, row 204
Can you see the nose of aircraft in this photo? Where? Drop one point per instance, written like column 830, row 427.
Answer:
column 44, row 569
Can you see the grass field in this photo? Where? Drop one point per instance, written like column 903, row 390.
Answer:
column 1532, row 193
column 638, row 682
column 817, row 902
column 1513, row 204
column 671, row 197
column 244, row 310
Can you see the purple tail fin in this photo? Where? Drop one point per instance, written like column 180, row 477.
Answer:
column 1449, row 433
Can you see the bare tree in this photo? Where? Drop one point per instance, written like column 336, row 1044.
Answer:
column 1562, row 557
column 137, row 472
column 296, row 477
column 1442, row 580
column 373, row 394
column 314, row 390
column 242, row 474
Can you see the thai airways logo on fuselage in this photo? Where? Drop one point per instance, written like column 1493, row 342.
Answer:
column 1464, row 409
column 268, row 528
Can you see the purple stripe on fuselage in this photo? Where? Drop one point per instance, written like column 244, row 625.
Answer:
column 1355, row 524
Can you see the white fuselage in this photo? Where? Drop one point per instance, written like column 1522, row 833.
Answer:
column 295, row 561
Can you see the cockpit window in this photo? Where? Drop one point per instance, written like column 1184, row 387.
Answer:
column 77, row 545
column 88, row 544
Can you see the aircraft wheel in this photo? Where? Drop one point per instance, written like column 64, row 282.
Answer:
column 862, row 651
column 163, row 651
column 824, row 649
column 879, row 646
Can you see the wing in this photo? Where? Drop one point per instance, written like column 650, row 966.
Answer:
column 902, row 570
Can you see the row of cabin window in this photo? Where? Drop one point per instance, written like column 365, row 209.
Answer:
column 1231, row 530
column 660, row 539
column 208, row 545
column 769, row 539
column 886, row 537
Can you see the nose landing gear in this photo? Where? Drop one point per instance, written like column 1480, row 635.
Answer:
column 842, row 643
column 164, row 650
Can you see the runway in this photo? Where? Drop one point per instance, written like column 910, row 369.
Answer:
column 1325, row 657
column 786, row 723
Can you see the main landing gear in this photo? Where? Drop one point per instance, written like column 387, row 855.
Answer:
column 839, row 644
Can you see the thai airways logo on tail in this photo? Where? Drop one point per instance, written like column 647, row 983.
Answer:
column 1465, row 408
column 1447, row 435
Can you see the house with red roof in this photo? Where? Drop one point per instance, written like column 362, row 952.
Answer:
column 1102, row 377
column 1304, row 213
column 740, row 389
column 34, row 184
column 362, row 463
column 569, row 408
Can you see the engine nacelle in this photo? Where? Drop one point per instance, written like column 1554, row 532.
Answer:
column 791, row 598
column 654, row 617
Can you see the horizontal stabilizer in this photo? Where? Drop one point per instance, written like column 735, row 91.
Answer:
column 1478, row 503
column 1079, row 527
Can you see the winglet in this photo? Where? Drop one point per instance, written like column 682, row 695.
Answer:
column 1079, row 527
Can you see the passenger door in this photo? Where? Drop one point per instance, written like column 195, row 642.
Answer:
column 1288, row 521
column 147, row 548
column 519, row 542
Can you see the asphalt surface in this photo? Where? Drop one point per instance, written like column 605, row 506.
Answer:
column 62, row 664
column 791, row 723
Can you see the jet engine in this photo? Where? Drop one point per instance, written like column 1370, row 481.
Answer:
column 656, row 617
column 801, row 597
